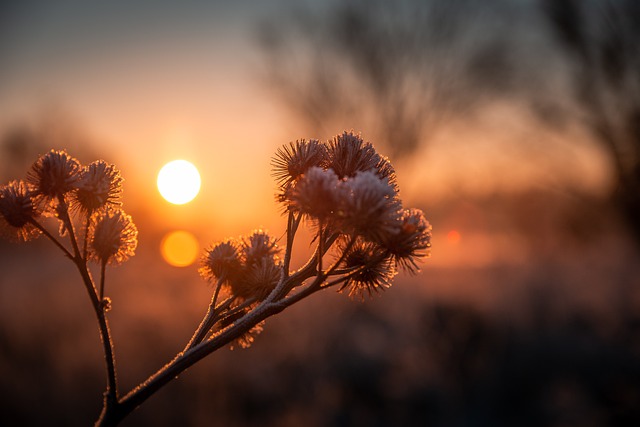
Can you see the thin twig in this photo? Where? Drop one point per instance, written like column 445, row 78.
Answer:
column 103, row 266
column 69, row 224
column 292, row 227
column 209, row 319
column 111, row 393
column 86, row 238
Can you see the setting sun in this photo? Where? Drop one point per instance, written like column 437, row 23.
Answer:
column 179, row 182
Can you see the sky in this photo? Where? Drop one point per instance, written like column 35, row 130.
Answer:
column 154, row 81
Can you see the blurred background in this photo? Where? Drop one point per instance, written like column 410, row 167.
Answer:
column 514, row 124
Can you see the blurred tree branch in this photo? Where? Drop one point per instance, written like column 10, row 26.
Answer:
column 602, row 43
column 398, row 68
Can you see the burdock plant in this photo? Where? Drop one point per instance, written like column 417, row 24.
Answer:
column 342, row 189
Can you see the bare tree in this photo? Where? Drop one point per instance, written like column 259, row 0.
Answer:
column 602, row 44
column 397, row 69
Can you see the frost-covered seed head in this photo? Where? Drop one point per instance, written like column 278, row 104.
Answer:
column 348, row 154
column 54, row 174
column 412, row 241
column 371, row 209
column 316, row 194
column 99, row 185
column 293, row 160
column 258, row 280
column 113, row 236
column 375, row 270
column 221, row 261
column 17, row 211
column 258, row 245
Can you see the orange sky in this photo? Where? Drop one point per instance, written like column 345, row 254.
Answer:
column 188, row 83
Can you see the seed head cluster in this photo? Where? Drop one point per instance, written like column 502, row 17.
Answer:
column 58, row 186
column 249, row 267
column 352, row 190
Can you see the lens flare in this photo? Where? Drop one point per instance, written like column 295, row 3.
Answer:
column 453, row 237
column 179, row 182
column 179, row 248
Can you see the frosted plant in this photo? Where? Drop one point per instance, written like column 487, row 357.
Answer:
column 343, row 190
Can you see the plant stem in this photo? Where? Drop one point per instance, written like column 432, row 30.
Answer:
column 111, row 393
column 69, row 224
column 292, row 227
column 103, row 266
column 86, row 237
column 208, row 321
column 187, row 359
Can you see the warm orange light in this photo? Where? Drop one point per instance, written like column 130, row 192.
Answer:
column 453, row 237
column 179, row 248
column 179, row 182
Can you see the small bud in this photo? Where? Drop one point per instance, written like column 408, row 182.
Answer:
column 106, row 304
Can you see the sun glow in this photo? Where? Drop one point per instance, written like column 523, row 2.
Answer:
column 179, row 248
column 179, row 182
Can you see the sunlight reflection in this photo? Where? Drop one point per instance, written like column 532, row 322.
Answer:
column 179, row 248
column 453, row 237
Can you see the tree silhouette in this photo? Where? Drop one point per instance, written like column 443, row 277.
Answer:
column 403, row 69
column 602, row 42
column 397, row 69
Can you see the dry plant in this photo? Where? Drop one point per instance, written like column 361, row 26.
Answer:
column 342, row 189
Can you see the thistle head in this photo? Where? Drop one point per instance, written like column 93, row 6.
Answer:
column 348, row 154
column 316, row 194
column 54, row 174
column 99, row 184
column 293, row 160
column 221, row 261
column 412, row 241
column 370, row 207
column 258, row 279
column 113, row 236
column 17, row 211
column 372, row 269
column 258, row 245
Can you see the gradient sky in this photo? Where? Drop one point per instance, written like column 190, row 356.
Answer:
column 155, row 80
column 158, row 80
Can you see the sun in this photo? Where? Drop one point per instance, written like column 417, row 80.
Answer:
column 179, row 182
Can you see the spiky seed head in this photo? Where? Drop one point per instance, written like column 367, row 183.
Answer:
column 17, row 211
column 113, row 236
column 412, row 242
column 99, row 184
column 54, row 174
